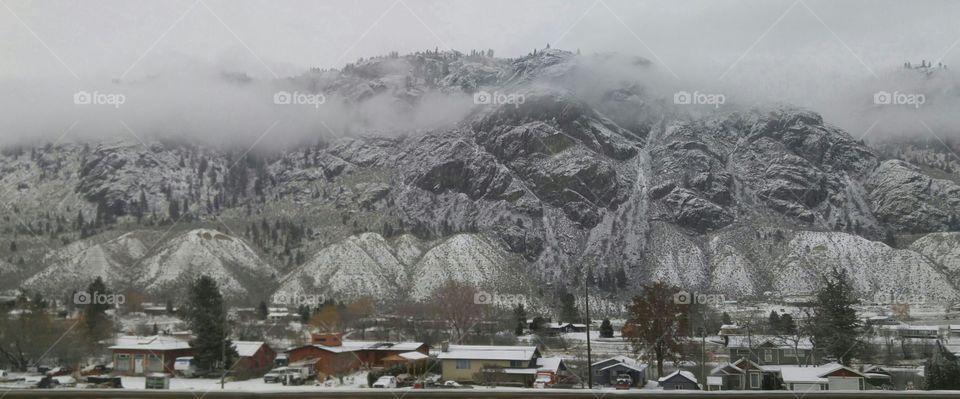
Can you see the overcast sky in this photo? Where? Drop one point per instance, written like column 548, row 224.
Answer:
column 113, row 38
column 802, row 51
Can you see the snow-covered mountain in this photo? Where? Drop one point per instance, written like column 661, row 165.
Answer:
column 593, row 169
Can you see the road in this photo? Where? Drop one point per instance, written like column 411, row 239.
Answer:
column 466, row 394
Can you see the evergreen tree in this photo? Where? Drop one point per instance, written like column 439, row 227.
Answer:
column 205, row 314
column 568, row 307
column 787, row 325
column 942, row 370
column 774, row 321
column 606, row 329
column 520, row 315
column 836, row 328
column 262, row 311
column 725, row 319
column 95, row 321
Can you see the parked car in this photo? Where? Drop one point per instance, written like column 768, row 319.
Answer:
column 275, row 375
column 624, row 381
column 185, row 366
column 387, row 381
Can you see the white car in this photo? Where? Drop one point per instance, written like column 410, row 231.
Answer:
column 387, row 381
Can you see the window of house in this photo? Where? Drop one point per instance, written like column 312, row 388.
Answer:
column 678, row 387
column 154, row 363
column 754, row 380
column 122, row 362
column 463, row 363
column 768, row 356
column 790, row 352
column 516, row 363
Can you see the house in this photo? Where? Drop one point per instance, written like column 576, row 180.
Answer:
column 606, row 371
column 908, row 331
column 256, row 358
column 830, row 376
column 730, row 329
column 567, row 327
column 510, row 364
column 766, row 350
column 133, row 355
column 881, row 321
column 334, row 356
column 877, row 377
column 955, row 330
column 679, row 380
column 743, row 374
column 553, row 366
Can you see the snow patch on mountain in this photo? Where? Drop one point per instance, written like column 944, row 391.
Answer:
column 873, row 267
column 229, row 260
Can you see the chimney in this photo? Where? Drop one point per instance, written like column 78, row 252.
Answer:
column 445, row 346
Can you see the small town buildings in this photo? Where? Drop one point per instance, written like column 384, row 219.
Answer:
column 256, row 358
column 830, row 376
column 730, row 329
column 679, row 380
column 607, row 371
column 909, row 331
column 741, row 375
column 765, row 349
column 469, row 363
column 332, row 356
column 133, row 355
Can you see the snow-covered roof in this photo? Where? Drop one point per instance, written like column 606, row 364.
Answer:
column 617, row 358
column 150, row 343
column 549, row 363
column 413, row 355
column 637, row 367
column 353, row 346
column 488, row 352
column 247, row 348
column 818, row 374
column 686, row 374
column 753, row 341
column 520, row 371
column 955, row 327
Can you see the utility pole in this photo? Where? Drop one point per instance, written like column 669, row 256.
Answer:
column 586, row 306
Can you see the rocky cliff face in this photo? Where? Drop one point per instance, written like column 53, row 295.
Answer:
column 513, row 195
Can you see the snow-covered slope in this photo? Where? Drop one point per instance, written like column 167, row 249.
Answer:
column 362, row 265
column 229, row 260
column 874, row 267
column 943, row 249
column 75, row 266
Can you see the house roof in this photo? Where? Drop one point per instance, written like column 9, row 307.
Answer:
column 549, row 363
column 150, row 343
column 683, row 373
column 247, row 348
column 353, row 346
column 818, row 374
column 640, row 367
column 618, row 359
column 413, row 355
column 488, row 352
column 754, row 341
